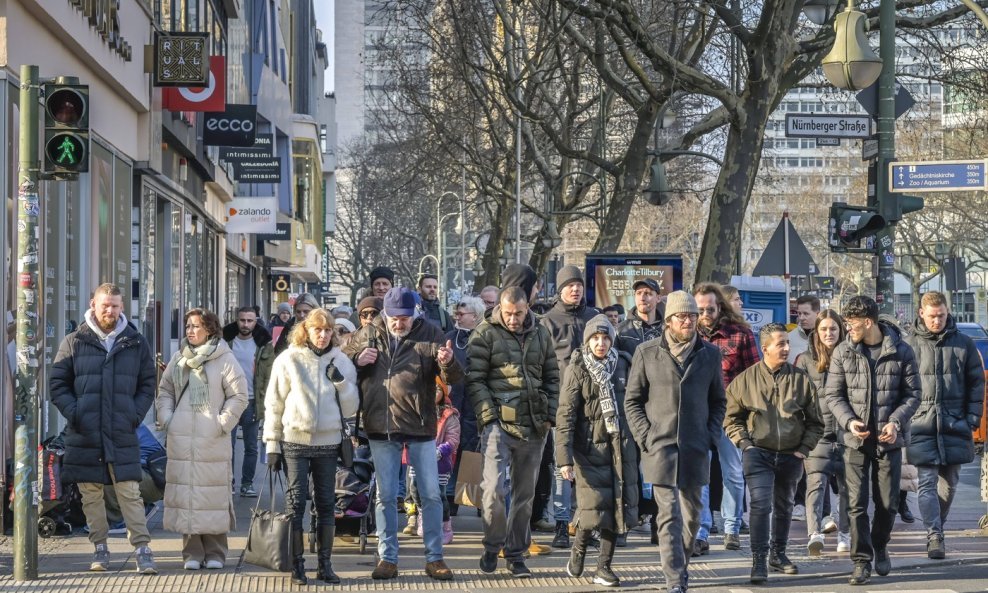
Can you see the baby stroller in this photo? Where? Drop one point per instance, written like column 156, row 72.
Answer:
column 355, row 487
column 61, row 505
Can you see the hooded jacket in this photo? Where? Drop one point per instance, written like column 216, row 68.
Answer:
column 852, row 390
column 263, row 360
column 953, row 388
column 777, row 410
column 398, row 391
column 565, row 324
column 447, row 432
column 103, row 396
column 513, row 378
column 832, row 434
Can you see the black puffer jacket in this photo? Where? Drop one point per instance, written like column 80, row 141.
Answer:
column 953, row 381
column 832, row 434
column 104, row 398
column 398, row 391
column 605, row 465
column 566, row 324
column 631, row 333
column 896, row 391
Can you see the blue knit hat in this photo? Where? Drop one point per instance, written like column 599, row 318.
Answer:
column 399, row 302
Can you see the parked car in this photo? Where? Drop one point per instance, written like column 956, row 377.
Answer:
column 973, row 330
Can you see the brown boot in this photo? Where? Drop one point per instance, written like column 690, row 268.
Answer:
column 384, row 570
column 439, row 571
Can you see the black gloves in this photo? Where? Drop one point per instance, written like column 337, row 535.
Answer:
column 334, row 374
column 275, row 462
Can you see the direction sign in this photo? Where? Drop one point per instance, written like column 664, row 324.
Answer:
column 927, row 176
column 827, row 125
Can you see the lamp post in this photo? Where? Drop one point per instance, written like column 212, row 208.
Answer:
column 441, row 249
column 463, row 238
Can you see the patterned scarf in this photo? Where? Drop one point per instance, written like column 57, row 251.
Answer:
column 601, row 371
column 189, row 370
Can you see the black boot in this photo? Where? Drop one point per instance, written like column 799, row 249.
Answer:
column 654, row 529
column 562, row 535
column 759, row 568
column 298, row 558
column 904, row 513
column 779, row 562
column 325, row 573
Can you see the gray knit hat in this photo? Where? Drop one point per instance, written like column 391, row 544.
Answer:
column 680, row 302
column 598, row 325
column 568, row 275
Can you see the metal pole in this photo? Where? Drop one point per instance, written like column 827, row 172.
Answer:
column 518, row 191
column 28, row 336
column 463, row 229
column 785, row 237
column 885, row 283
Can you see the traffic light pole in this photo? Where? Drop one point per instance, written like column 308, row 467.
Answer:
column 28, row 342
column 885, row 283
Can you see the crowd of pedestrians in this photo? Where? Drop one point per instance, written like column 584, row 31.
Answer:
column 588, row 423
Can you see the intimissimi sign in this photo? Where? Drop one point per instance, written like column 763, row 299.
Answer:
column 104, row 17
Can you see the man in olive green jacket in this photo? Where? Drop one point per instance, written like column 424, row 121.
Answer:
column 513, row 384
column 774, row 418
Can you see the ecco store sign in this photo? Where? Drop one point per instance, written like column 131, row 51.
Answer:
column 234, row 127
column 252, row 215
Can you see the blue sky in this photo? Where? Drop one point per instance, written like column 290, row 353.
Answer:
column 324, row 22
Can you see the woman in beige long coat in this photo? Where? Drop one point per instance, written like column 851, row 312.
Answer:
column 202, row 393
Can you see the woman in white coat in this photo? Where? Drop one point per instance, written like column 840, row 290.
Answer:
column 202, row 393
column 313, row 389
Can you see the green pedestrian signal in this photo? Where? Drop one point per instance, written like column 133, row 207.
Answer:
column 66, row 147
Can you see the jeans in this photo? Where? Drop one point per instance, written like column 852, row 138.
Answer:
column 772, row 478
column 731, row 506
column 562, row 498
column 387, row 466
column 678, row 521
column 880, row 477
column 937, row 485
column 248, row 421
column 819, row 474
column 323, row 470
column 506, row 455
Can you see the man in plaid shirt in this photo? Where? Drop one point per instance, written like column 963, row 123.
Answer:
column 724, row 327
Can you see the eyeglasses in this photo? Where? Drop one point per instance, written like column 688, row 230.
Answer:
column 682, row 317
column 462, row 313
column 849, row 324
column 369, row 314
column 707, row 310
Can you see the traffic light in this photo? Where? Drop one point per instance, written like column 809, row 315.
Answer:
column 848, row 225
column 657, row 193
column 66, row 144
column 893, row 206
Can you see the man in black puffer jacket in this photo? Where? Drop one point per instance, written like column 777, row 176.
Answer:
column 953, row 380
column 873, row 389
column 103, row 382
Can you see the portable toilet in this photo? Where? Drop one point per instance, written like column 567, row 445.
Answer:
column 764, row 300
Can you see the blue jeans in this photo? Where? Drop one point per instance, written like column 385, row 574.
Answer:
column 387, row 466
column 731, row 508
column 248, row 421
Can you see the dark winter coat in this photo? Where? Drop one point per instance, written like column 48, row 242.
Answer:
column 832, row 438
column 263, row 361
column 953, row 382
column 566, row 324
column 676, row 413
column 777, row 410
column 434, row 313
column 458, row 391
column 605, row 464
column 631, row 331
column 398, row 391
column 895, row 390
column 513, row 378
column 103, row 397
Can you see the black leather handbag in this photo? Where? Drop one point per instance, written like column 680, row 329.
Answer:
column 269, row 536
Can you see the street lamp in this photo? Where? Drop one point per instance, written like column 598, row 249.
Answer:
column 551, row 239
column 819, row 11
column 851, row 64
column 478, row 268
column 657, row 193
column 463, row 238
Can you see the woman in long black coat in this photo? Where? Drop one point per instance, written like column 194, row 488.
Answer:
column 594, row 446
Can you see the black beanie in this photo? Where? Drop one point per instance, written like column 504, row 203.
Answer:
column 568, row 275
column 382, row 272
column 520, row 275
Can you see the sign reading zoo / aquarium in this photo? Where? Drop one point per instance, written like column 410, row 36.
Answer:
column 252, row 215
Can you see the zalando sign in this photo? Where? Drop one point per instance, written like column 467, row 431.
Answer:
column 252, row 215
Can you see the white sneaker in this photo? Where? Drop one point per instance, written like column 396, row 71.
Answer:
column 843, row 542
column 192, row 565
column 799, row 513
column 829, row 525
column 815, row 545
column 214, row 564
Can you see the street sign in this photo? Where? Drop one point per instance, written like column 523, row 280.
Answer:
column 869, row 149
column 828, row 141
column 868, row 98
column 928, row 176
column 827, row 125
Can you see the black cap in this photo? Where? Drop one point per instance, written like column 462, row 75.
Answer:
column 650, row 283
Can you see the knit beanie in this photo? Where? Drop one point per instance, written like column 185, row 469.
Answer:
column 680, row 302
column 598, row 325
column 306, row 299
column 520, row 275
column 284, row 308
column 399, row 302
column 568, row 275
column 370, row 303
column 345, row 324
column 382, row 272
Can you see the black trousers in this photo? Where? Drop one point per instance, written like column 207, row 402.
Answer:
column 544, row 483
column 323, row 472
column 771, row 479
column 878, row 475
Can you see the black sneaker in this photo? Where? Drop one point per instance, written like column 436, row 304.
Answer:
column 934, row 548
column 561, row 540
column 883, row 564
column 574, row 567
column 701, row 548
column 488, row 562
column 519, row 570
column 605, row 577
column 861, row 574
column 732, row 541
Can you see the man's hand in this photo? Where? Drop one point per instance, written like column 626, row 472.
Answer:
column 799, row 455
column 889, row 434
column 367, row 356
column 445, row 354
column 859, row 429
column 567, row 473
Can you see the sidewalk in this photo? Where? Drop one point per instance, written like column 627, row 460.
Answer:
column 64, row 561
